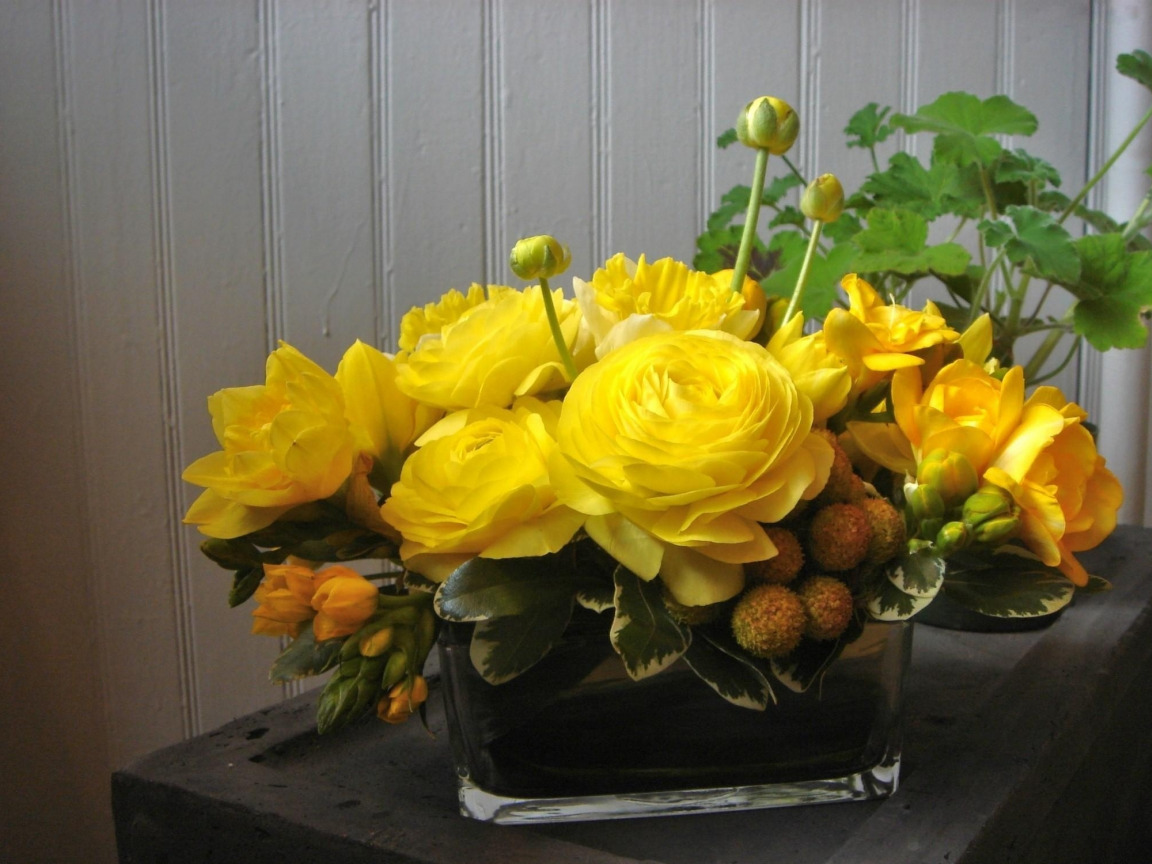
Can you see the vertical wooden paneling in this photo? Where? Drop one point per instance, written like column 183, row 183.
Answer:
column 325, row 158
column 53, row 803
column 434, row 168
column 208, row 133
column 544, row 100
column 655, row 171
column 940, row 67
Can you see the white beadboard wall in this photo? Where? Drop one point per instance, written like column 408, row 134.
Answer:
column 184, row 182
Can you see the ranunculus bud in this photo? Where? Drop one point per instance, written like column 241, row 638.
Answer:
column 949, row 473
column 768, row 123
column 539, row 257
column 823, row 200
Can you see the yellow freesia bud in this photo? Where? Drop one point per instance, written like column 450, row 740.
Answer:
column 988, row 503
column 768, row 123
column 996, row 531
column 823, row 200
column 375, row 644
column 538, row 257
column 949, row 473
column 343, row 602
column 403, row 700
column 950, row 537
column 284, row 599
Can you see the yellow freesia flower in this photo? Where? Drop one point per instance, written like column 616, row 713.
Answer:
column 343, row 601
column 494, row 352
column 385, row 420
column 479, row 485
column 626, row 300
column 875, row 339
column 284, row 599
column 285, row 443
column 677, row 446
column 819, row 374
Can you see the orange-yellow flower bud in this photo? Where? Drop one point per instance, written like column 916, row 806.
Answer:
column 403, row 700
column 343, row 602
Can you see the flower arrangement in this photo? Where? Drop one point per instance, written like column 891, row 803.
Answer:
column 667, row 447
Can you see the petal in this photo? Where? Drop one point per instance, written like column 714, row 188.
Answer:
column 696, row 580
column 628, row 543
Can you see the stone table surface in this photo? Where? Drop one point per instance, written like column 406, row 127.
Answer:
column 1019, row 747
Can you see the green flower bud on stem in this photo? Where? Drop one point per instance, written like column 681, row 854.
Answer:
column 768, row 123
column 539, row 257
column 823, row 200
column 950, row 474
column 996, row 531
column 925, row 502
column 986, row 504
column 951, row 537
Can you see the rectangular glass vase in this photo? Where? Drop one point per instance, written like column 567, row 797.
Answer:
column 574, row 738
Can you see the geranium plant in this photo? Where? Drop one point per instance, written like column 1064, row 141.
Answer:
column 666, row 447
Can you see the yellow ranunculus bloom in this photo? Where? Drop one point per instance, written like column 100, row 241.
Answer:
column 874, row 338
column 343, row 601
column 494, row 352
column 431, row 318
column 284, row 599
column 285, row 443
column 479, row 485
column 386, row 421
column 627, row 300
column 678, row 446
column 819, row 374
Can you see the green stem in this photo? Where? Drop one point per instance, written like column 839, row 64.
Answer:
column 1043, row 353
column 1039, row 305
column 982, row 288
column 749, row 236
column 1132, row 227
column 802, row 279
column 554, row 325
column 1063, row 363
column 1070, row 209
column 989, row 198
column 959, row 227
column 795, row 170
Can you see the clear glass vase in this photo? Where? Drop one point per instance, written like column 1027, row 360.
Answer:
column 575, row 738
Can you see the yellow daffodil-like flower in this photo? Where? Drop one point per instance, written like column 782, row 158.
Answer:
column 627, row 300
column 819, row 374
column 285, row 443
column 1067, row 497
column 385, row 420
column 479, row 485
column 875, row 339
column 678, row 446
column 343, row 601
column 494, row 352
column 430, row 319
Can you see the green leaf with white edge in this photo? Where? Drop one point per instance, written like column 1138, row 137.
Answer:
column 1137, row 66
column 418, row 582
column 964, row 124
column 647, row 638
column 305, row 656
column 504, row 647
column 917, row 573
column 807, row 664
column 484, row 588
column 824, row 274
column 1036, row 243
column 895, row 240
column 732, row 675
column 1010, row 582
column 866, row 128
column 886, row 602
column 1096, row 585
column 596, row 596
column 726, row 139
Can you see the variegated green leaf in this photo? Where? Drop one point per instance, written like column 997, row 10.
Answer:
column 811, row 659
column 889, row 603
column 596, row 596
column 416, row 582
column 504, row 647
column 1009, row 583
column 917, row 573
column 729, row 671
column 485, row 588
column 645, row 636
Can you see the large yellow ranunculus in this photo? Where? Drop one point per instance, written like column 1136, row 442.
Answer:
column 626, row 300
column 284, row 443
column 494, row 351
column 874, row 338
column 678, row 446
column 386, row 421
column 479, row 485
column 1068, row 498
column 431, row 318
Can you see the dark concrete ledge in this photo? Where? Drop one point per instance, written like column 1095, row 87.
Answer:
column 1023, row 747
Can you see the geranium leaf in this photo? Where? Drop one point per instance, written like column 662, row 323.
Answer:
column 717, row 249
column 788, row 216
column 1113, row 288
column 778, row 188
column 964, row 125
column 1137, row 66
column 305, row 656
column 918, row 573
column 895, row 240
column 645, row 636
column 733, row 675
column 1007, row 583
column 1022, row 167
column 811, row 659
column 867, row 128
column 1036, row 243
column 726, row 139
column 908, row 184
column 484, row 588
column 504, row 647
column 1051, row 201
column 824, row 274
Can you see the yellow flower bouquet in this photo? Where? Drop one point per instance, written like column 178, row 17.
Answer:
column 664, row 458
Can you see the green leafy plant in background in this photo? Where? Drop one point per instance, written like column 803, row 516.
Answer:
column 1022, row 249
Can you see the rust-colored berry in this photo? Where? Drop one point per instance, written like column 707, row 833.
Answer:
column 838, row 537
column 828, row 604
column 888, row 534
column 788, row 561
column 768, row 621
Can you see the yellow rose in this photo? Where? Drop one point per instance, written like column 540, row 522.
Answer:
column 494, row 352
column 627, row 300
column 343, row 601
column 875, row 339
column 819, row 374
column 1067, row 496
column 678, row 446
column 479, row 485
column 386, row 422
column 284, row 599
column 285, row 443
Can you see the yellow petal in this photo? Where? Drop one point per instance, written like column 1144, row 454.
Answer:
column 696, row 580
column 628, row 543
column 976, row 341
